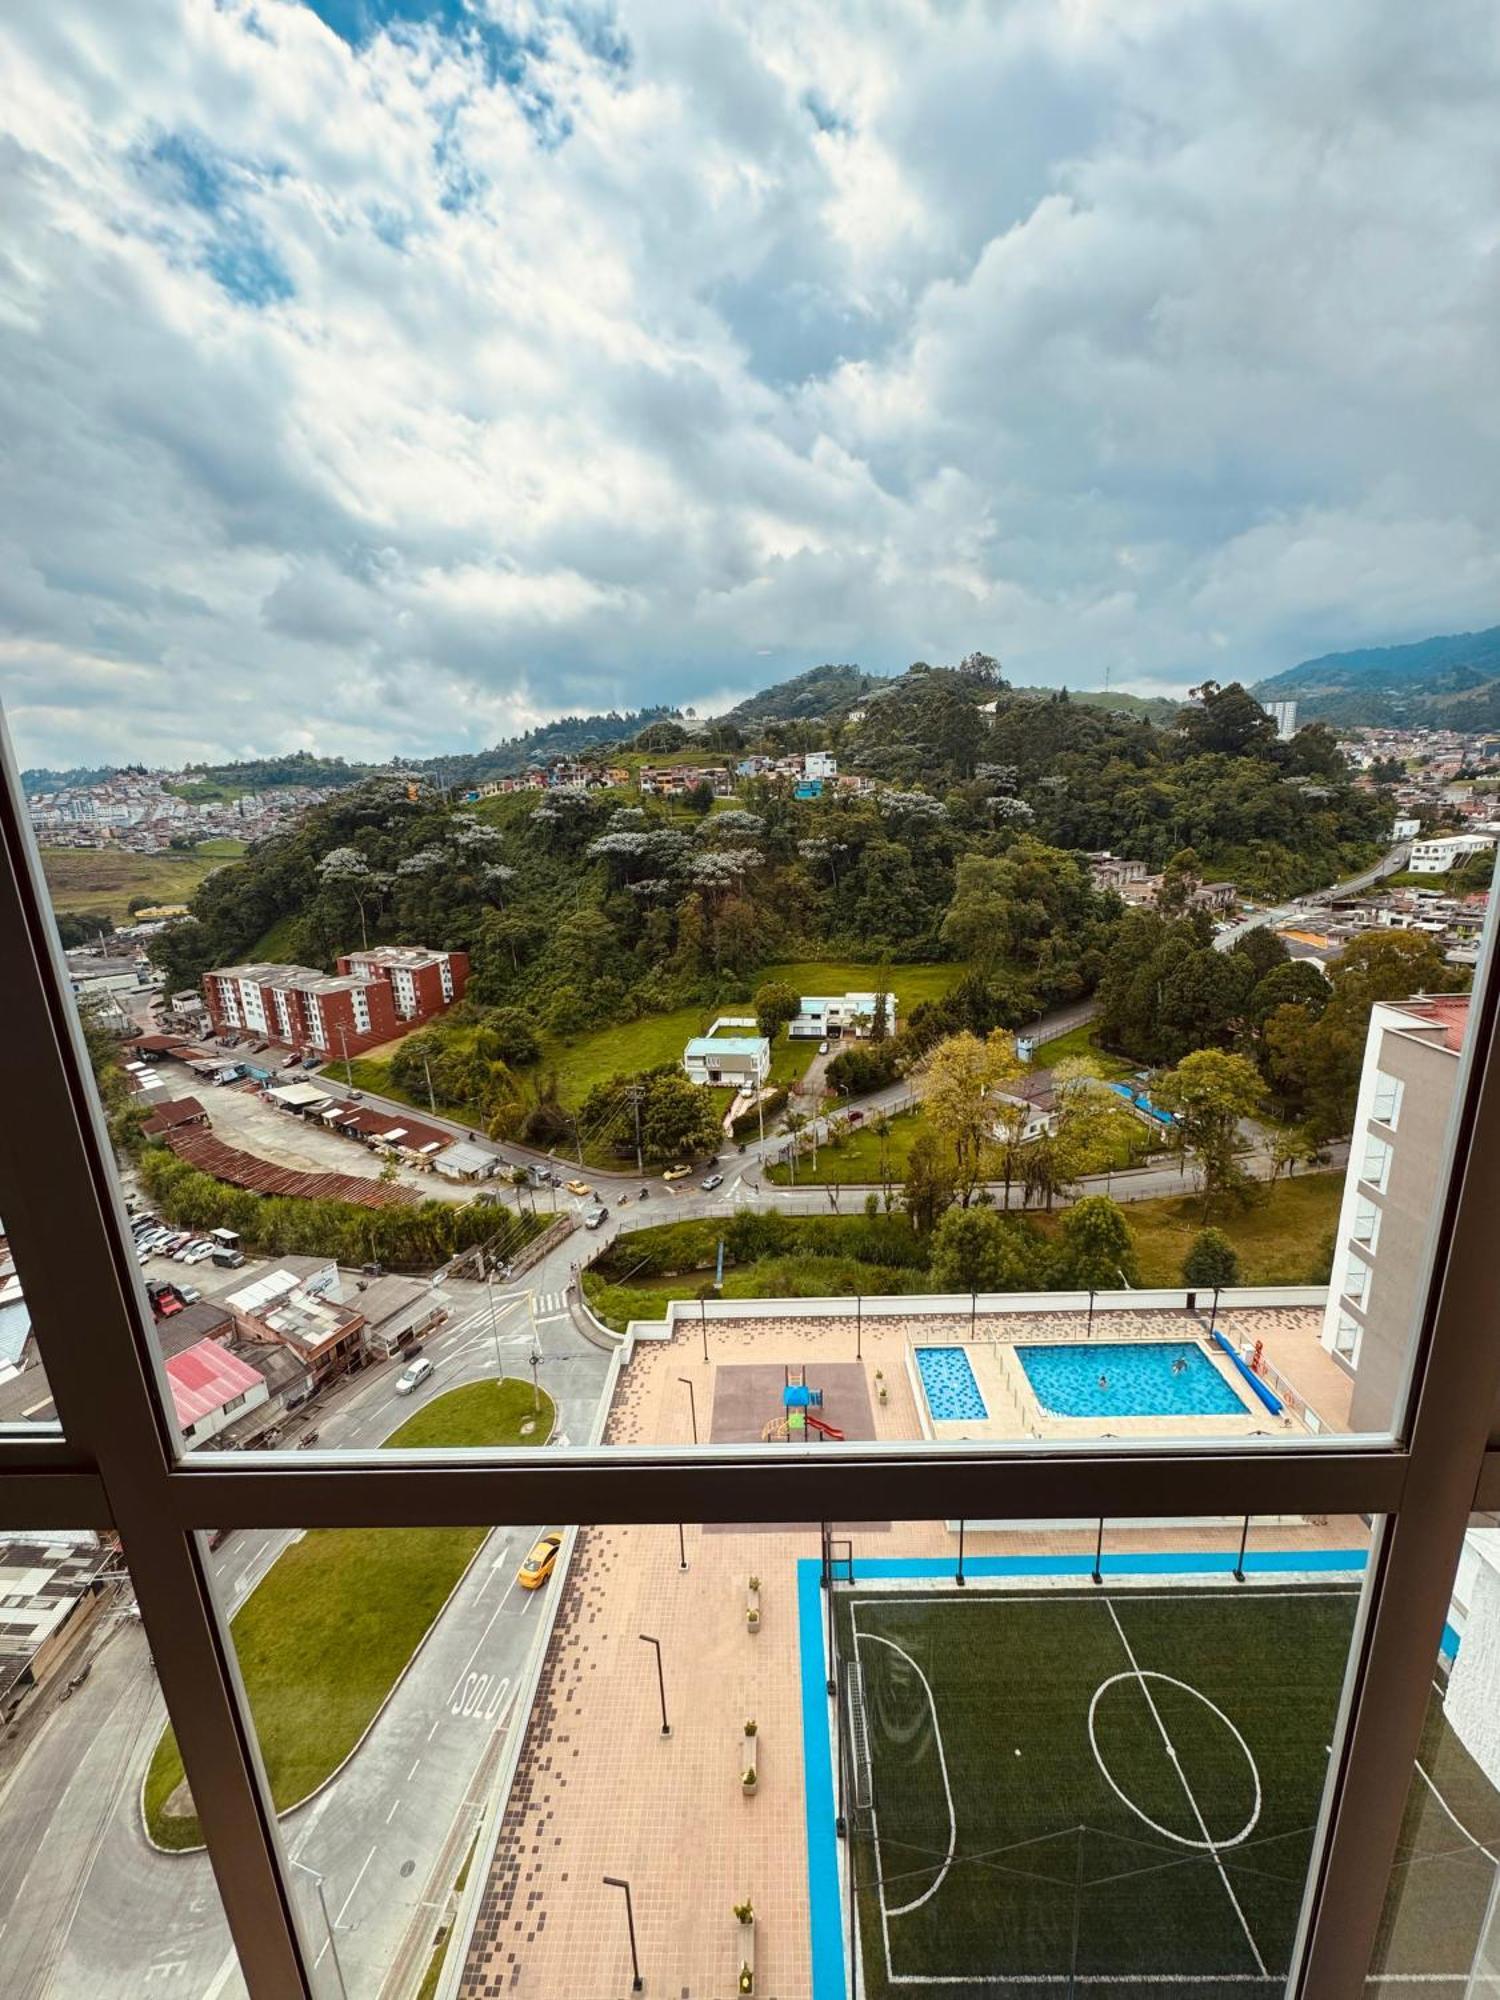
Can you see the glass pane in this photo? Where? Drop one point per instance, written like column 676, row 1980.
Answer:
column 25, row 1397
column 1441, row 1929
column 1036, row 1774
column 86, row 1906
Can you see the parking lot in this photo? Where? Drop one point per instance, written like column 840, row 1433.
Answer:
column 241, row 1117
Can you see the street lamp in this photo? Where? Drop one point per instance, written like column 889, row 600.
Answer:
column 535, row 1359
column 960, row 1579
column 687, row 1384
column 637, row 1984
column 682, row 1561
column 338, row 1970
column 489, row 1290
column 661, row 1684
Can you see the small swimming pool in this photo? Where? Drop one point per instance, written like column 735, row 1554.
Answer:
column 952, row 1392
column 1138, row 1378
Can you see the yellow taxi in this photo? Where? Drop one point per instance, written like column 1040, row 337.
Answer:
column 579, row 1187
column 538, row 1566
column 676, row 1173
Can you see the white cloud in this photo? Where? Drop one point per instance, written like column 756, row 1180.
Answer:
column 541, row 357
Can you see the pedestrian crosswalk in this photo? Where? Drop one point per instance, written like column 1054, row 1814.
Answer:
column 549, row 1305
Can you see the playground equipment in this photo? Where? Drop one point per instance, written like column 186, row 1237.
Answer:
column 800, row 1406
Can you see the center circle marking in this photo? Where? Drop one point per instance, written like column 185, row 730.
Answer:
column 1166, row 1832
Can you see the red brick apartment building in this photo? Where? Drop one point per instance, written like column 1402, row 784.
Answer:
column 373, row 997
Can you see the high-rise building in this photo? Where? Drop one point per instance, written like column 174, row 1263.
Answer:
column 1284, row 715
column 1395, row 1161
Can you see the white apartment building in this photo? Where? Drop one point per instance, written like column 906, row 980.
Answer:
column 1396, row 1159
column 1437, row 856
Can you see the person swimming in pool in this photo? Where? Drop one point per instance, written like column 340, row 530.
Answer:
column 1179, row 1366
column 1103, row 1381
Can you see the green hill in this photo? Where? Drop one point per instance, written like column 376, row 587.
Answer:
column 1451, row 682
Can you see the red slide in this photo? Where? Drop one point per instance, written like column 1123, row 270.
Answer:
column 817, row 1424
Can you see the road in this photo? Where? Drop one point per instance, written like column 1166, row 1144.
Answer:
column 1389, row 864
column 86, row 1906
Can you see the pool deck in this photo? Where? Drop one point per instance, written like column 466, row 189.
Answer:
column 600, row 1792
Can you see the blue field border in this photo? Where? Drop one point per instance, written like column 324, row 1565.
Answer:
column 825, row 1916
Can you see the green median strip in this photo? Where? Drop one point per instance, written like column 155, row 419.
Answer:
column 325, row 1634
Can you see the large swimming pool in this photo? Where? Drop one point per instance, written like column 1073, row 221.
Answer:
column 952, row 1392
column 1144, row 1378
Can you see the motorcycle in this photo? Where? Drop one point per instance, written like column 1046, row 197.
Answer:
column 77, row 1681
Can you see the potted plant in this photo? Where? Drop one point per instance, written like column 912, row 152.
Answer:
column 749, row 1761
column 745, row 1917
column 879, row 1385
column 752, row 1604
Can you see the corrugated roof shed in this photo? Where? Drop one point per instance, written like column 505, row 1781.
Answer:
column 206, row 1377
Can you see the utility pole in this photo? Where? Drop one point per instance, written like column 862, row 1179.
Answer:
column 344, row 1045
column 635, row 1105
column 431, row 1100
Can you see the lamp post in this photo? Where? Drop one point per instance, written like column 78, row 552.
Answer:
column 960, row 1579
column 858, row 1325
column 637, row 1984
column 687, row 1384
column 1239, row 1567
column 661, row 1683
column 535, row 1359
column 682, row 1561
column 489, row 1291
column 338, row 1970
column 1099, row 1553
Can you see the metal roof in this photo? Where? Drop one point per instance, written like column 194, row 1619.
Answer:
column 206, row 1377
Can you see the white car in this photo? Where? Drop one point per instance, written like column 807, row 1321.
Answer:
column 195, row 1253
column 414, row 1376
column 822, row 1048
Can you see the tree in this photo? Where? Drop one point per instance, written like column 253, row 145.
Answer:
column 1212, row 1262
column 929, row 1183
column 980, row 1250
column 1096, row 1249
column 964, row 1079
column 775, row 1004
column 678, row 1117
column 1208, row 1094
column 1226, row 719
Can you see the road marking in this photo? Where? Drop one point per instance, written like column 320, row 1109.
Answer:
column 395, row 1808
column 481, row 1639
column 414, row 1770
column 357, row 1880
column 434, row 1729
column 223, row 1976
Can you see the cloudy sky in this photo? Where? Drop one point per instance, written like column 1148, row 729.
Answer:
column 387, row 375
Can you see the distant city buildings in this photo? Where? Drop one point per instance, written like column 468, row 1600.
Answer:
column 373, row 997
column 1284, row 715
column 138, row 813
column 1447, row 851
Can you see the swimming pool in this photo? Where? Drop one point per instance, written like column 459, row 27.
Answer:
column 952, row 1392
column 1144, row 1378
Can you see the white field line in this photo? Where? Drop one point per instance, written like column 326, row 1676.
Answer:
column 1428, row 1782
column 1466, row 1983
column 905, row 1909
column 1176, row 1763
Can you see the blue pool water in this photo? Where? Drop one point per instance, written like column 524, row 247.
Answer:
column 949, row 1381
column 1137, row 1377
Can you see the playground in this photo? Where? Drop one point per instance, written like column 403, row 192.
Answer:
column 1052, row 1788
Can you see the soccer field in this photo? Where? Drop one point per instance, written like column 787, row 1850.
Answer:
column 1118, row 1788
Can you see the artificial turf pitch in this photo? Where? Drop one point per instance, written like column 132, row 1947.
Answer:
column 1135, row 1776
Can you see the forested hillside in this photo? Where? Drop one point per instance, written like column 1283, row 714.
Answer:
column 1451, row 682
column 604, row 904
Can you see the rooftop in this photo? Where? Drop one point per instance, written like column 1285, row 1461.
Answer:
column 1448, row 1011
column 206, row 1377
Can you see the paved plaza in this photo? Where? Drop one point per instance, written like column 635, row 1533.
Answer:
column 599, row 1790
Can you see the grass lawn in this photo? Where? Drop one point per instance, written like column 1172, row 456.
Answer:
column 1032, row 1821
column 857, row 1158
column 325, row 1633
column 1078, row 1042
column 224, row 847
column 1282, row 1241
column 100, row 882
column 583, row 1060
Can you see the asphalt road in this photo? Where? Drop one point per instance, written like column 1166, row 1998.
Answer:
column 86, row 1906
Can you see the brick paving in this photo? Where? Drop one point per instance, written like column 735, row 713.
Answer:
column 598, row 1790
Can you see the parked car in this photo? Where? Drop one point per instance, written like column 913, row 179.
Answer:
column 540, row 1563
column 154, row 1238
column 822, row 1048
column 190, row 1294
column 185, row 1254
column 413, row 1376
column 229, row 1260
column 195, row 1253
column 676, row 1173
column 579, row 1188
column 178, row 1241
column 713, row 1181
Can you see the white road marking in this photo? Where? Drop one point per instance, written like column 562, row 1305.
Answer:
column 414, row 1770
column 481, row 1639
column 354, row 1886
column 434, row 1729
column 223, row 1976
column 1188, row 1790
column 395, row 1808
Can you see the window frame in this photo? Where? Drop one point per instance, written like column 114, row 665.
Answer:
column 118, row 1462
